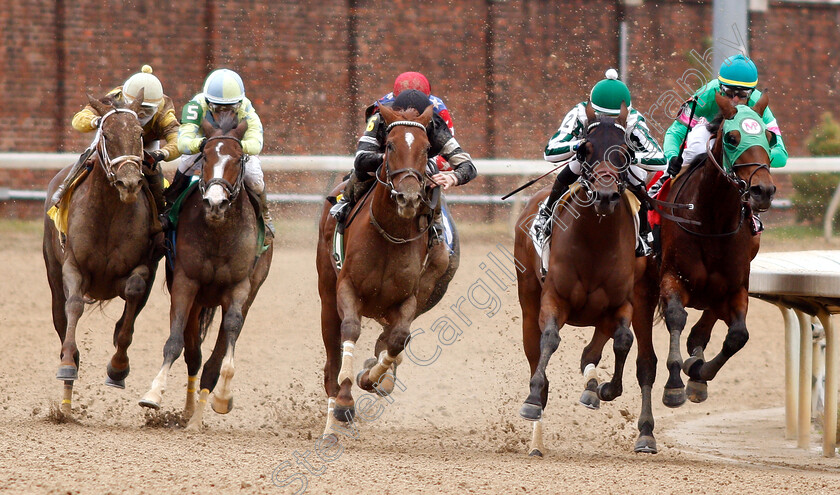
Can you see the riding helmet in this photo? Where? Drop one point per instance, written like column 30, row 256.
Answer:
column 153, row 90
column 224, row 87
column 738, row 71
column 412, row 80
column 607, row 95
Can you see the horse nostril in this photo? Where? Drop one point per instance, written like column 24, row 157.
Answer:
column 614, row 197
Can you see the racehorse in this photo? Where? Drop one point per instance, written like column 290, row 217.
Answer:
column 219, row 260
column 705, row 262
column 591, row 271
column 389, row 272
column 107, row 248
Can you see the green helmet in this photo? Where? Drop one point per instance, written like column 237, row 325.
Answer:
column 738, row 70
column 607, row 95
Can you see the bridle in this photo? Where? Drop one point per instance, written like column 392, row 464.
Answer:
column 589, row 176
column 388, row 183
column 232, row 190
column 105, row 160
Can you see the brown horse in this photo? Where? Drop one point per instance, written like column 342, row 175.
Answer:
column 218, row 261
column 108, row 251
column 389, row 274
column 705, row 266
column 591, row 271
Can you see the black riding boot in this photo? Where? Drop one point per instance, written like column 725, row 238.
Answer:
column 180, row 183
column 564, row 179
column 156, row 186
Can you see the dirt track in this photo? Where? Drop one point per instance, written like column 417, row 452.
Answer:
column 455, row 429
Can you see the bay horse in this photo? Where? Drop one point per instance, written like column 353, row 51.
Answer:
column 389, row 273
column 591, row 272
column 705, row 266
column 219, row 260
column 107, row 249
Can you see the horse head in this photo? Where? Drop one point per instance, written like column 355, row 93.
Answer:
column 743, row 143
column 604, row 157
column 223, row 171
column 119, row 145
column 403, row 170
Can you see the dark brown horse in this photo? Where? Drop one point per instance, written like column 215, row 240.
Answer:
column 109, row 240
column 219, row 260
column 591, row 272
column 389, row 274
column 705, row 266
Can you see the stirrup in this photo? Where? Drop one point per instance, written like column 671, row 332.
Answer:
column 542, row 224
column 339, row 210
column 269, row 225
column 643, row 248
column 436, row 235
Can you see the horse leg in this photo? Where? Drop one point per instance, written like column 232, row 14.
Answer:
column 136, row 292
column 351, row 328
column 529, row 300
column 74, row 287
column 589, row 359
column 59, row 316
column 644, row 306
column 331, row 334
column 182, row 300
column 396, row 336
column 192, row 356
column 383, row 388
column 698, row 338
column 673, row 299
column 209, row 376
column 232, row 326
column 622, row 341
column 736, row 339
column 552, row 317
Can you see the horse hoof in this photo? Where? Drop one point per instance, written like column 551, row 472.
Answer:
column 590, row 399
column 697, row 390
column 673, row 397
column 114, row 383
column 117, row 375
column 646, row 444
column 149, row 403
column 222, row 406
column 606, row 392
column 531, row 412
column 691, row 367
column 67, row 372
column 344, row 414
column 535, row 453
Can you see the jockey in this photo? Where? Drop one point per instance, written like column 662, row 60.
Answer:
column 223, row 92
column 736, row 80
column 606, row 98
column 157, row 116
column 371, row 150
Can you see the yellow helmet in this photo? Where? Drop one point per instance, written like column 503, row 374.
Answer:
column 153, row 94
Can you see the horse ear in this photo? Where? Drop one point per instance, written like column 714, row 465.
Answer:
column 206, row 127
column 622, row 117
column 427, row 115
column 388, row 114
column 726, row 107
column 761, row 105
column 590, row 113
column 97, row 105
column 240, row 130
column 138, row 101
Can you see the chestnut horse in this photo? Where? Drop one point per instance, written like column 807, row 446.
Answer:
column 219, row 260
column 389, row 273
column 107, row 251
column 705, row 266
column 591, row 271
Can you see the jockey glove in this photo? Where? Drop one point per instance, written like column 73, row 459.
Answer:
column 158, row 155
column 674, row 165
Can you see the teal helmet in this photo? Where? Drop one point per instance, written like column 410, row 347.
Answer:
column 738, row 71
column 607, row 95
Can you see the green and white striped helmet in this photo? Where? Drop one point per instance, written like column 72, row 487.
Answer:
column 607, row 95
column 224, row 87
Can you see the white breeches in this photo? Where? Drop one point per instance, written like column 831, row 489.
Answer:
column 189, row 164
column 695, row 143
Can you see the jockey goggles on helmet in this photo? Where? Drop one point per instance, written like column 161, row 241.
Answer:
column 736, row 91
column 216, row 108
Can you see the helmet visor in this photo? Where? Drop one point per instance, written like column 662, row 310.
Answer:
column 218, row 108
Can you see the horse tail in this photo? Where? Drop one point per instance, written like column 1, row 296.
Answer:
column 205, row 319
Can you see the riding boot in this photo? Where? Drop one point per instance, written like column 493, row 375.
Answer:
column 155, row 180
column 266, row 216
column 179, row 184
column 645, row 235
column 71, row 176
column 542, row 224
column 345, row 201
column 437, row 231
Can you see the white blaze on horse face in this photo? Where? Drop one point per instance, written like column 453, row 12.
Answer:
column 216, row 193
column 409, row 138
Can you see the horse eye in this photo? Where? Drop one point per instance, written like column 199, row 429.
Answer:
column 730, row 139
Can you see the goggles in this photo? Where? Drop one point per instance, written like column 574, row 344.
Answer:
column 734, row 91
column 216, row 108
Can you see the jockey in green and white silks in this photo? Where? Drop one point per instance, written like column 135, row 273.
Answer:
column 737, row 80
column 606, row 98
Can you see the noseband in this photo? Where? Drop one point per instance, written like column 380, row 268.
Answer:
column 105, row 160
column 589, row 176
column 232, row 190
column 742, row 185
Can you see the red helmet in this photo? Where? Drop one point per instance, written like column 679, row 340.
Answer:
column 412, row 80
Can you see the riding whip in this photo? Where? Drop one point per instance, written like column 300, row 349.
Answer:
column 530, row 182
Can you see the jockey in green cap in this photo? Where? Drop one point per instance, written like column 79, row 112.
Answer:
column 605, row 98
